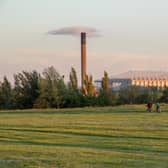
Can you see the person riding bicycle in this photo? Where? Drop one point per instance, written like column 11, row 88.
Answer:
column 157, row 104
column 149, row 107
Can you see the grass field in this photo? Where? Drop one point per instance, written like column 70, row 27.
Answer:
column 119, row 137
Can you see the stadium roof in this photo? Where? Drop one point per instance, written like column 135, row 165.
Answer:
column 144, row 75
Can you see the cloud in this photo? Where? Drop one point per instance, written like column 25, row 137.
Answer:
column 75, row 31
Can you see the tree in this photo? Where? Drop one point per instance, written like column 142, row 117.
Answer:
column 52, row 89
column 129, row 95
column 105, row 94
column 73, row 98
column 164, row 97
column 106, row 83
column 26, row 89
column 5, row 94
column 72, row 94
column 73, row 79
column 147, row 95
column 89, row 88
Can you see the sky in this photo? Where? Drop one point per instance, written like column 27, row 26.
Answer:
column 134, row 35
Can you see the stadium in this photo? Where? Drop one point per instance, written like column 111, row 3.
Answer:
column 137, row 78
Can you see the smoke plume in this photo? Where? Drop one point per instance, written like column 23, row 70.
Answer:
column 75, row 31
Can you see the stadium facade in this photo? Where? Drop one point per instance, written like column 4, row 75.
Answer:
column 137, row 78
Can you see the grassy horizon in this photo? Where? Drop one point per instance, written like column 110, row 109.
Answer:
column 123, row 136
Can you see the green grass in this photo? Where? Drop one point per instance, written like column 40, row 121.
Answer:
column 119, row 137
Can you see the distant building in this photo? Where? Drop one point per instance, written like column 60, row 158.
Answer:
column 137, row 78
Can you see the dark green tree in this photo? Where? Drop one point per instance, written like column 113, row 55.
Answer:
column 149, row 95
column 5, row 94
column 164, row 97
column 73, row 94
column 26, row 89
column 52, row 90
column 129, row 95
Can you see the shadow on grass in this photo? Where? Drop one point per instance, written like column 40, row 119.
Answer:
column 87, row 145
column 85, row 134
column 74, row 111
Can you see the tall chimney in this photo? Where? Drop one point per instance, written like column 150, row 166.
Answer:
column 83, row 57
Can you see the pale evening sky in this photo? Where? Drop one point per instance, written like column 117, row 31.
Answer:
column 134, row 35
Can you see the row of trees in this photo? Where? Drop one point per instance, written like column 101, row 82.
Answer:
column 48, row 90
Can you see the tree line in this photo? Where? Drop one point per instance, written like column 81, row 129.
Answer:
column 49, row 90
